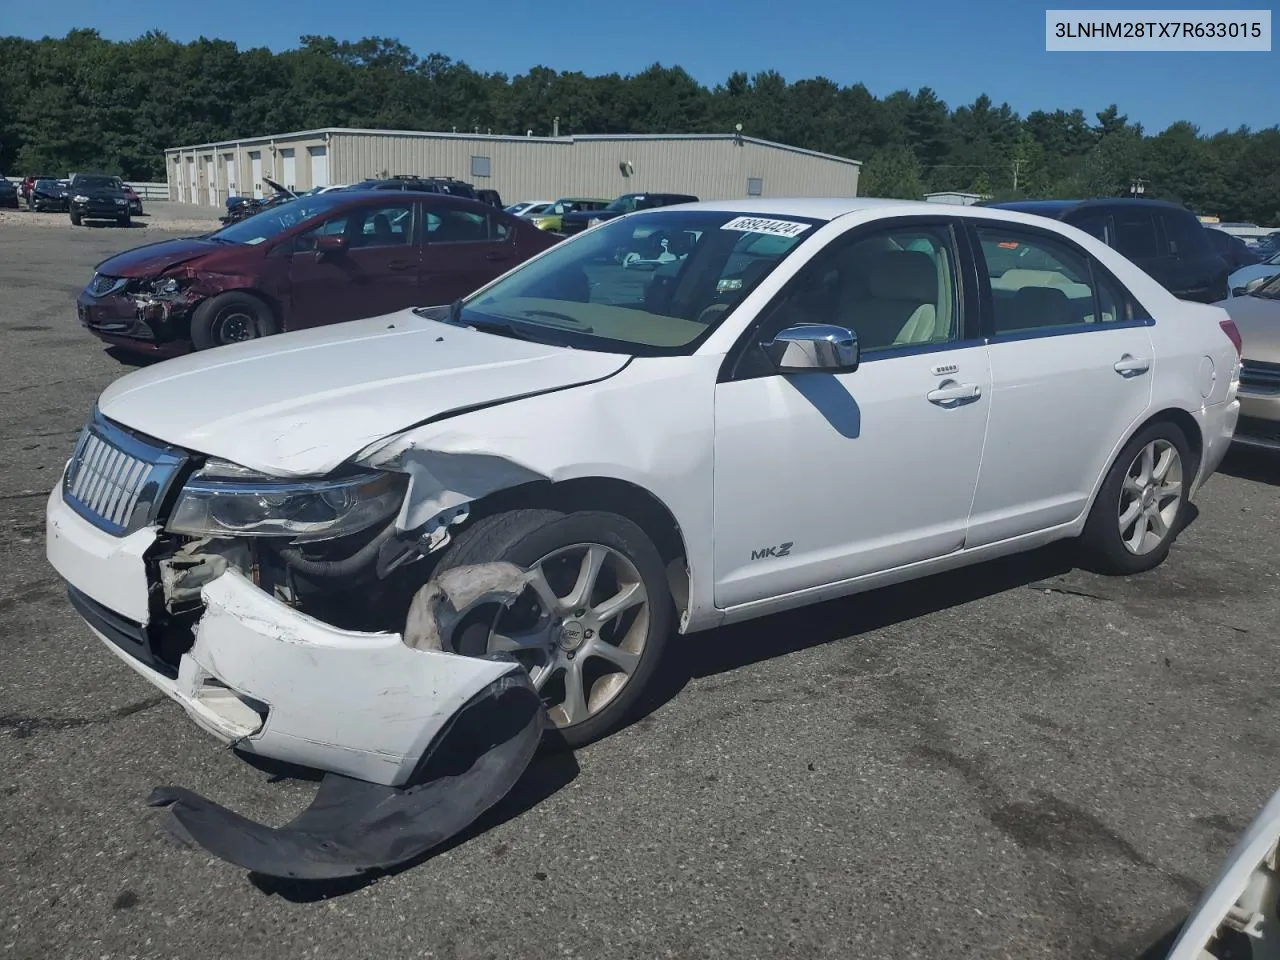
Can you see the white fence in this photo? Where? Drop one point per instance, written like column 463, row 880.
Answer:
column 147, row 191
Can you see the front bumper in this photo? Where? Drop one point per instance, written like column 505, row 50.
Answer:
column 265, row 677
column 1259, row 416
column 99, row 209
column 139, row 322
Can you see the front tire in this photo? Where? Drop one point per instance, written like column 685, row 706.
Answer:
column 123, row 221
column 592, row 625
column 1142, row 503
column 75, row 219
column 231, row 317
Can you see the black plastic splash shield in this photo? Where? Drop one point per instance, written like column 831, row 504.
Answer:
column 353, row 826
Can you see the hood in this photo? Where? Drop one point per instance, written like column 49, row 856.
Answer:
column 154, row 258
column 1259, row 322
column 299, row 404
column 278, row 188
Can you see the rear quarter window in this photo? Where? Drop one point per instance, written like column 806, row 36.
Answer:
column 1185, row 236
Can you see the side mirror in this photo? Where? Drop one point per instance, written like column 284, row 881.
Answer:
column 812, row 347
column 1255, row 283
column 327, row 244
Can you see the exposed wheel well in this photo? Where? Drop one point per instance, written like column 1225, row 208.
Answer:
column 615, row 496
column 1190, row 429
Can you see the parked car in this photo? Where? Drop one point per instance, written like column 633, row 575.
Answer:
column 8, row 193
column 309, row 261
column 328, row 545
column 1232, row 249
column 240, row 208
column 1254, row 275
column 491, row 197
column 1257, row 316
column 135, row 201
column 48, row 194
column 524, row 206
column 97, row 197
column 551, row 218
column 1164, row 239
column 572, row 223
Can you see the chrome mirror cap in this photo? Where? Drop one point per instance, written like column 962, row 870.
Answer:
column 809, row 347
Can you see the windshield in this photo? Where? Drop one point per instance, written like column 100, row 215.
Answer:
column 1269, row 290
column 651, row 285
column 623, row 204
column 47, row 184
column 276, row 220
column 96, row 183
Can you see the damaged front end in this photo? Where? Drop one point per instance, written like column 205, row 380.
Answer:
column 290, row 619
column 153, row 313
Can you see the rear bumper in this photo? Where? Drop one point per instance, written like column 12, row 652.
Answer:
column 1259, row 416
column 265, row 677
column 1218, row 426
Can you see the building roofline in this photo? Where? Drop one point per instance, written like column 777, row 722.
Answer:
column 508, row 137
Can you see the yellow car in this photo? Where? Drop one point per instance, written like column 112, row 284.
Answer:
column 549, row 219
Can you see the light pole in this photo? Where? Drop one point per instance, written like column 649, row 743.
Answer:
column 1137, row 187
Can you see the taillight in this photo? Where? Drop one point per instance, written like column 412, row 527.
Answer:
column 1233, row 334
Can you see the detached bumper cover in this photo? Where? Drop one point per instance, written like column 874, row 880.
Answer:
column 353, row 827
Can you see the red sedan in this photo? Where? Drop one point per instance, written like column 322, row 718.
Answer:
column 318, row 259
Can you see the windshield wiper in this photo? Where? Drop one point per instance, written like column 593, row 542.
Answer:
column 561, row 320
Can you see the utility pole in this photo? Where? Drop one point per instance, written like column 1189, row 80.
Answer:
column 1017, row 164
column 1137, row 187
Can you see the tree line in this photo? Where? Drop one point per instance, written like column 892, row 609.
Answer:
column 83, row 102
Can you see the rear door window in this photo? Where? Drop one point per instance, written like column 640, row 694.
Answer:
column 1136, row 234
column 1095, row 224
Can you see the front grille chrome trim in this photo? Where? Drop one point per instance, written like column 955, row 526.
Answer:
column 102, row 286
column 118, row 480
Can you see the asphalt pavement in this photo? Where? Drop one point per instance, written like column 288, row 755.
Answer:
column 1018, row 760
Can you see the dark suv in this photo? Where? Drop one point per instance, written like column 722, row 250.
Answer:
column 1164, row 239
column 97, row 197
column 454, row 188
column 579, row 220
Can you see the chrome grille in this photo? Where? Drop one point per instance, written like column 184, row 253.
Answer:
column 101, row 285
column 117, row 480
column 1260, row 375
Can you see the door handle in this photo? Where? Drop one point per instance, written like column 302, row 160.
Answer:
column 400, row 264
column 1131, row 364
column 950, row 392
column 497, row 255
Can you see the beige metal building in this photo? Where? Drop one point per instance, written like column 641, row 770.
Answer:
column 710, row 166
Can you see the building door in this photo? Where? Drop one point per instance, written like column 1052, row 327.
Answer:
column 211, row 181
column 290, row 170
column 255, row 172
column 319, row 166
column 230, row 160
column 192, row 193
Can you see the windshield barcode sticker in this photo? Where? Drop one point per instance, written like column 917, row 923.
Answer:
column 777, row 228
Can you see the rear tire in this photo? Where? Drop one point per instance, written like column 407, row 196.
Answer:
column 561, row 545
column 1141, row 505
column 231, row 317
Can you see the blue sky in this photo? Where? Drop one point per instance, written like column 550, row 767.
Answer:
column 961, row 49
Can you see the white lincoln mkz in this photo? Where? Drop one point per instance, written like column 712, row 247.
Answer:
column 324, row 544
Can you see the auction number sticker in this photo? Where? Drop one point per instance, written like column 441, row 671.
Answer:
column 776, row 228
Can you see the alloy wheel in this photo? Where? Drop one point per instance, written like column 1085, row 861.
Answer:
column 580, row 629
column 1150, row 497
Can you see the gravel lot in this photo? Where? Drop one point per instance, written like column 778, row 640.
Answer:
column 1021, row 760
column 157, row 215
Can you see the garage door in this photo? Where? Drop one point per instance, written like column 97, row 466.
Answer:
column 319, row 166
column 290, row 168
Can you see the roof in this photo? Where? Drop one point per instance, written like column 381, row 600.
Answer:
column 957, row 193
column 326, row 132
column 1057, row 208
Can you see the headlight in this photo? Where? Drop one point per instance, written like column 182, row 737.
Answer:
column 80, row 198
column 226, row 500
column 121, row 201
column 166, row 285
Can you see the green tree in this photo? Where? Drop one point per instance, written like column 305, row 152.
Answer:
column 892, row 172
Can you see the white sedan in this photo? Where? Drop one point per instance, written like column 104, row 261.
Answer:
column 355, row 530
